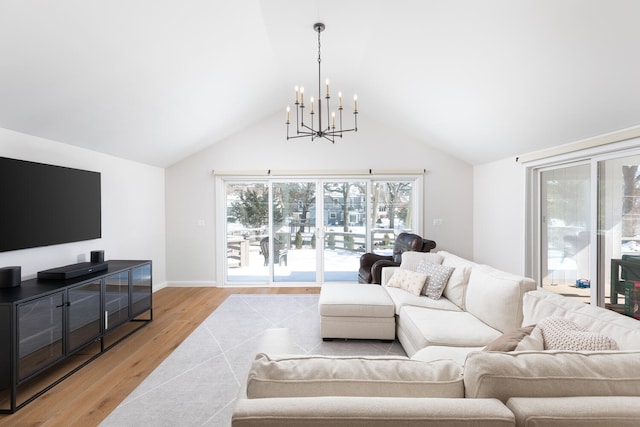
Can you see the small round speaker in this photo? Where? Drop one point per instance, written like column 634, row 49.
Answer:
column 10, row 277
column 97, row 256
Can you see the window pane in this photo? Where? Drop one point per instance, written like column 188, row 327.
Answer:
column 565, row 233
column 392, row 213
column 294, row 219
column 618, row 222
column 345, row 215
column 247, row 207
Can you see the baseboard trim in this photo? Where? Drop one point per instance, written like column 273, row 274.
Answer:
column 191, row 284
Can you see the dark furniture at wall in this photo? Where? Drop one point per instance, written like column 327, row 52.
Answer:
column 280, row 251
column 371, row 265
column 625, row 273
column 66, row 322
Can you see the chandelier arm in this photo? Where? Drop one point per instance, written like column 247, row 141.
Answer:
column 340, row 132
column 302, row 135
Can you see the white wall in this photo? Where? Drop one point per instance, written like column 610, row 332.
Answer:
column 191, row 248
column 133, row 222
column 499, row 215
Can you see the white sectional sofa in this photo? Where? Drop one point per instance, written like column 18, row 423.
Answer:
column 479, row 304
column 449, row 378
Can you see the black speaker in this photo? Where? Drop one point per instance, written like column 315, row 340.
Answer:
column 97, row 256
column 10, row 277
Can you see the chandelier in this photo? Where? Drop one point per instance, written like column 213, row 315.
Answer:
column 329, row 131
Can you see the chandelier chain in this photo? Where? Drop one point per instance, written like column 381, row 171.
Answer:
column 319, row 60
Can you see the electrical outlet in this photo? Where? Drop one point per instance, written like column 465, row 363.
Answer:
column 437, row 221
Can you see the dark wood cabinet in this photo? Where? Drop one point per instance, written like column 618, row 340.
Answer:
column 45, row 322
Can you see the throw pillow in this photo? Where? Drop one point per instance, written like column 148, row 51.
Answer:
column 438, row 276
column 533, row 342
column 509, row 341
column 410, row 281
column 562, row 334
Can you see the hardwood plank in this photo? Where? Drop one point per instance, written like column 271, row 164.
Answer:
column 88, row 396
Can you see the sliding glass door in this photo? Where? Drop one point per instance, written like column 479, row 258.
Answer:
column 565, row 224
column 618, row 221
column 311, row 230
column 247, row 231
column 588, row 214
column 294, row 214
column 344, row 229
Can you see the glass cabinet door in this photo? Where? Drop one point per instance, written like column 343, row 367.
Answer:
column 84, row 313
column 39, row 333
column 116, row 299
column 140, row 289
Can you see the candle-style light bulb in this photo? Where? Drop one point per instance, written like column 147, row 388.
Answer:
column 297, row 90
column 288, row 114
column 311, row 101
column 302, row 96
column 355, row 103
column 340, row 100
column 327, row 84
column 333, row 119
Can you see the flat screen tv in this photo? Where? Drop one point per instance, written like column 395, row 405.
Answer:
column 42, row 205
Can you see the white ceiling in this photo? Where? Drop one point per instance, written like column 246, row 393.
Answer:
column 157, row 80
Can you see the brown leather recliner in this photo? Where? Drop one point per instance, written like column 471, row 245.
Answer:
column 371, row 264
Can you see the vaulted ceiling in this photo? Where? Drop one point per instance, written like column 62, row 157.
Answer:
column 157, row 80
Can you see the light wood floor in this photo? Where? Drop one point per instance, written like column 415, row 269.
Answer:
column 89, row 395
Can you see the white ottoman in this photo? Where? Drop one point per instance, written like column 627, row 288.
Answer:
column 356, row 310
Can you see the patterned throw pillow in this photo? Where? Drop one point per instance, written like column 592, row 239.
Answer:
column 438, row 276
column 410, row 281
column 563, row 334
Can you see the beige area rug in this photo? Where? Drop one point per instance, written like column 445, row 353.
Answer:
column 198, row 383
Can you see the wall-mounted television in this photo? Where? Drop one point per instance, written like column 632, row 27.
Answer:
column 42, row 205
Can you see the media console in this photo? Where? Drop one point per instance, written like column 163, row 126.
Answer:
column 45, row 322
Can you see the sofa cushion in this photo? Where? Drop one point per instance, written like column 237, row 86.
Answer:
column 410, row 281
column 551, row 374
column 332, row 411
column 354, row 300
column 456, row 288
column 619, row 411
column 509, row 341
column 401, row 298
column 559, row 333
column 437, row 278
column 495, row 297
column 306, row 376
column 411, row 259
column 439, row 352
column 541, row 303
column 424, row 327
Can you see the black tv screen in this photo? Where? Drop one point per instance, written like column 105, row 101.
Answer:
column 42, row 205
